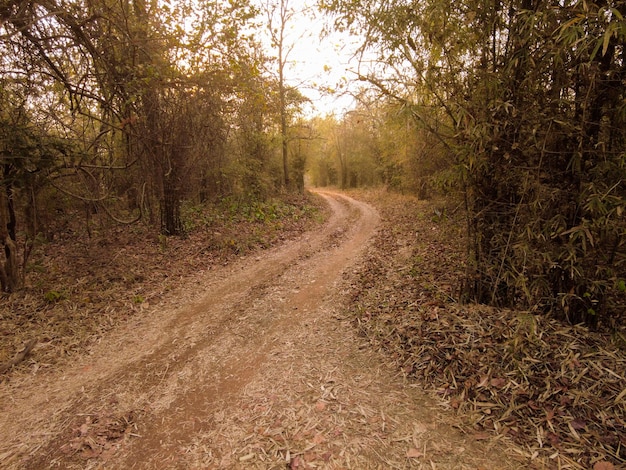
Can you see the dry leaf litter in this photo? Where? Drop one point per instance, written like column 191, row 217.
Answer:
column 329, row 401
column 79, row 286
column 558, row 391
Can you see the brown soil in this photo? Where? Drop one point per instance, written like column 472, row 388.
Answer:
column 252, row 366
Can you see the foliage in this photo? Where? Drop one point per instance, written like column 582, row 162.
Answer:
column 346, row 152
column 118, row 111
column 379, row 143
column 556, row 390
column 525, row 101
column 53, row 296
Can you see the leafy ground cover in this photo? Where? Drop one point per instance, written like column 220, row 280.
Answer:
column 557, row 391
column 79, row 286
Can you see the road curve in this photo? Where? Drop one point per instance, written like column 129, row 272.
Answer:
column 153, row 385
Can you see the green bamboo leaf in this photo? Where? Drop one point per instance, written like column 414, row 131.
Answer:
column 610, row 30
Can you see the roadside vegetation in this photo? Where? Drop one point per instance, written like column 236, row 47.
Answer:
column 143, row 141
column 555, row 390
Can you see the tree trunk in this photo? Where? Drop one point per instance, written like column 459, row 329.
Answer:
column 283, row 123
column 9, row 268
column 170, row 211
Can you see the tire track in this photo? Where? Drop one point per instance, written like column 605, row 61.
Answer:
column 177, row 368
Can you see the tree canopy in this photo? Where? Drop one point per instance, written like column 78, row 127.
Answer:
column 124, row 110
column 522, row 104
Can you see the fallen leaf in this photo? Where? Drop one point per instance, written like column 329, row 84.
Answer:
column 498, row 382
column 90, row 453
column 554, row 439
column 420, row 428
column 413, row 453
column 603, row 465
column 84, row 429
column 247, row 457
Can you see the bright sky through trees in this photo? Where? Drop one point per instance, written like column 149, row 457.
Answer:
column 319, row 64
column 323, row 64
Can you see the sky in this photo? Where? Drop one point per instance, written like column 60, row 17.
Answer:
column 319, row 62
column 323, row 63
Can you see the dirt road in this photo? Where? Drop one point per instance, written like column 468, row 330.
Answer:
column 252, row 368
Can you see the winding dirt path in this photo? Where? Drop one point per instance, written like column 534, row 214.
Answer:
column 253, row 368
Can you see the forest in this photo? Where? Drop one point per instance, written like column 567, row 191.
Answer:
column 509, row 114
column 126, row 111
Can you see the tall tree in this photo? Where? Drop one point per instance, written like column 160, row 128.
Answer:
column 281, row 17
column 90, row 89
column 525, row 97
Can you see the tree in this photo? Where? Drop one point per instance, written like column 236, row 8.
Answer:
column 280, row 16
column 345, row 152
column 116, row 107
column 524, row 97
column 252, row 139
column 46, row 89
column 23, row 154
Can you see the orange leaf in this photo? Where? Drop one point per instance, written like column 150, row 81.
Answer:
column 603, row 465
column 498, row 382
column 320, row 406
column 84, row 429
column 413, row 453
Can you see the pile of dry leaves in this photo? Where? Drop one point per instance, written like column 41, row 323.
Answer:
column 558, row 391
column 80, row 284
